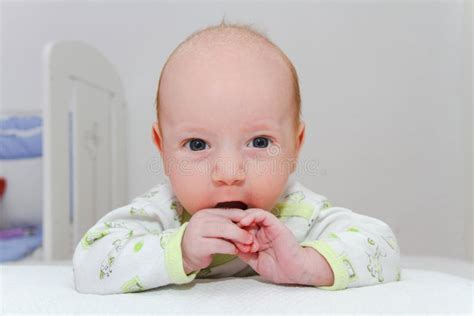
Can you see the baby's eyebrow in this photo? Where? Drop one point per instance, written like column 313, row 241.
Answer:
column 185, row 129
column 261, row 126
column 190, row 128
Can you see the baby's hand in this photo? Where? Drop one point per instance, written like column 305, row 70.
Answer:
column 211, row 231
column 275, row 253
column 252, row 247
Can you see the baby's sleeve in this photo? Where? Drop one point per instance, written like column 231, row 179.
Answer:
column 132, row 248
column 361, row 250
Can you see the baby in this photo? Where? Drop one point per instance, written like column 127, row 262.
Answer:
column 229, row 133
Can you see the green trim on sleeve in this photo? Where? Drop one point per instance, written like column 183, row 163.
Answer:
column 341, row 277
column 288, row 209
column 174, row 258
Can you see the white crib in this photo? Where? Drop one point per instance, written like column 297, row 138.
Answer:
column 83, row 144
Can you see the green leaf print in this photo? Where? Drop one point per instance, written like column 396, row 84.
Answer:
column 106, row 267
column 349, row 268
column 174, row 205
column 138, row 212
column 295, row 197
column 353, row 229
column 132, row 285
column 92, row 236
column 138, row 246
column 375, row 266
column 150, row 194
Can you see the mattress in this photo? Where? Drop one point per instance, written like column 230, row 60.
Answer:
column 50, row 289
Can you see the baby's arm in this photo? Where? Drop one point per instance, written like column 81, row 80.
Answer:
column 132, row 248
column 361, row 250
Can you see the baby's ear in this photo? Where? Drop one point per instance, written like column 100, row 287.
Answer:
column 299, row 143
column 157, row 137
column 300, row 137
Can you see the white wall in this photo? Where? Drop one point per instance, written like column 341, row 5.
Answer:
column 468, row 119
column 383, row 89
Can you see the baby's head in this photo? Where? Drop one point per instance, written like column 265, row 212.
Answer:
column 229, row 128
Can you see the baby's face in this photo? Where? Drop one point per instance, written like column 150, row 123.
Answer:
column 227, row 128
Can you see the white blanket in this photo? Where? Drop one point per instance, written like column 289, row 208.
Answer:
column 50, row 289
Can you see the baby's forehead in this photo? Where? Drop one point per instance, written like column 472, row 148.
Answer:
column 223, row 87
column 231, row 42
column 241, row 40
column 242, row 70
column 216, row 119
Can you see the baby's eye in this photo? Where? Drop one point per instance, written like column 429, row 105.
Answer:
column 196, row 144
column 261, row 142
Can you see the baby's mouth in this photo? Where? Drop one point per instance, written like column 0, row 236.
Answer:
column 232, row 204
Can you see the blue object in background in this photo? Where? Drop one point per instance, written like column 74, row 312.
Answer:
column 14, row 147
column 22, row 122
column 18, row 247
column 21, row 137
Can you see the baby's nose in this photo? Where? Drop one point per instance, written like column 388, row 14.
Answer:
column 228, row 171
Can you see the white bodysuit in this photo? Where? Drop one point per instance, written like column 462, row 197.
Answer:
column 138, row 246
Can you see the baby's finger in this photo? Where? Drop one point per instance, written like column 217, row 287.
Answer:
column 227, row 231
column 242, row 247
column 234, row 215
column 250, row 258
column 252, row 227
column 247, row 221
column 217, row 245
column 263, row 218
column 254, row 247
column 249, row 215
